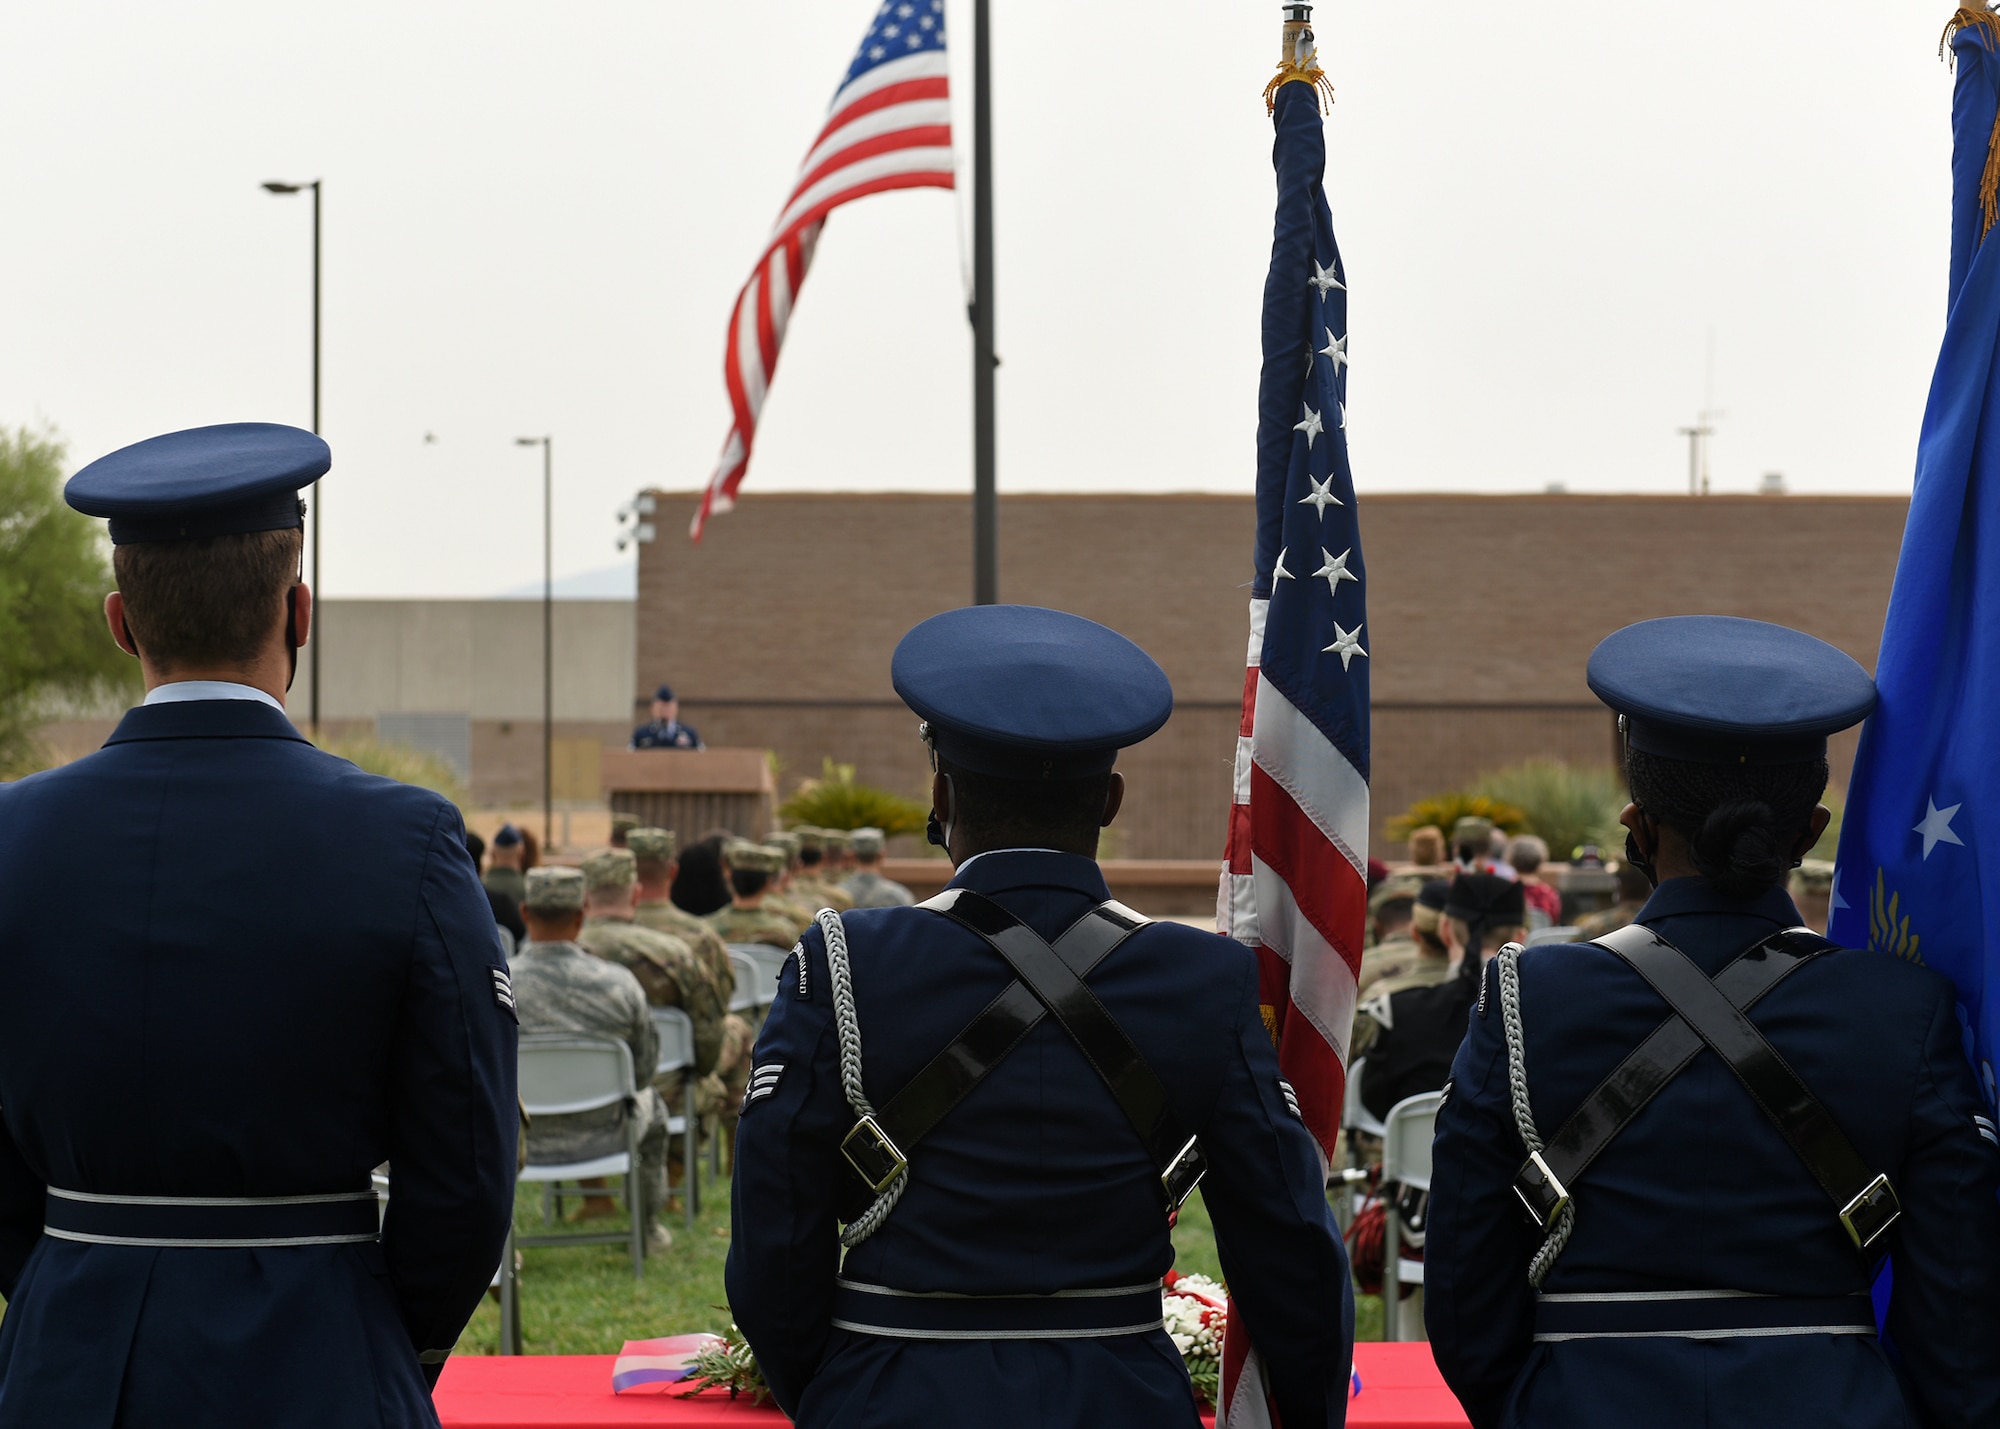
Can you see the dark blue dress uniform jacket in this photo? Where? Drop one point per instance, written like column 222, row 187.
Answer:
column 231, row 965
column 1701, row 1192
column 1035, row 1183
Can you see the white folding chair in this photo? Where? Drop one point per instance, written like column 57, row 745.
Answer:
column 1564, row 934
column 503, row 1274
column 1353, row 1115
column 676, row 1031
column 563, row 1075
column 749, row 996
column 770, row 962
column 1406, row 1160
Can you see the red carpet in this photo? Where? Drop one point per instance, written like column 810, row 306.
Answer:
column 1400, row 1389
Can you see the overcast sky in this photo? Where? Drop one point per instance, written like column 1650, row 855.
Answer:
column 537, row 217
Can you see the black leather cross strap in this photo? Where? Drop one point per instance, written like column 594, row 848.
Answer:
column 1060, row 989
column 1634, row 1082
column 949, row 1077
column 1867, row 1203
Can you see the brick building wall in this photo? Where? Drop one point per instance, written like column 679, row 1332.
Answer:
column 777, row 630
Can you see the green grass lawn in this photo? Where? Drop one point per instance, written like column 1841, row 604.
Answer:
column 583, row 1300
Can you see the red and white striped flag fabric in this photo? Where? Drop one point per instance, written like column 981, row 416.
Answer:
column 889, row 127
column 1295, row 888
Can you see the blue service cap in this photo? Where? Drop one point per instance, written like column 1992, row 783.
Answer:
column 1713, row 689
column 507, row 837
column 1025, row 693
column 665, row 692
column 207, row 481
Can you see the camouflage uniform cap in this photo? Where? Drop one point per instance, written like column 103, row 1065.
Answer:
column 1397, row 887
column 610, row 868
column 868, row 842
column 809, row 838
column 758, row 858
column 836, row 839
column 655, row 844
column 1472, row 829
column 553, row 889
column 790, row 843
column 623, row 823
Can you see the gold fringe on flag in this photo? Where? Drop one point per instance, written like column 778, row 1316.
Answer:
column 1300, row 61
column 1308, row 73
column 1989, row 180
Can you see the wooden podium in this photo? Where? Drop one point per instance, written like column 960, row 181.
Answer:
column 693, row 791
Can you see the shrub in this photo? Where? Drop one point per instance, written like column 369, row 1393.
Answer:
column 835, row 801
column 1566, row 805
column 1444, row 810
column 401, row 762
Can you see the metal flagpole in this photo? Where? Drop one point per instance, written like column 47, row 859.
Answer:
column 319, row 626
column 985, row 499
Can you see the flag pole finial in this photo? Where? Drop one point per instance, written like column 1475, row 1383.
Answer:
column 1299, row 57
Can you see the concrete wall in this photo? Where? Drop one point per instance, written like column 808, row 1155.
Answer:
column 777, row 629
column 482, row 658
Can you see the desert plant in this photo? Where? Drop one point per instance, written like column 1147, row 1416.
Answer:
column 1444, row 810
column 1566, row 805
column 401, row 762
column 835, row 801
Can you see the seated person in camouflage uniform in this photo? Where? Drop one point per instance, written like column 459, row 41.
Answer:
column 653, row 855
column 558, row 987
column 1633, row 891
column 809, row 886
column 778, row 894
column 837, row 846
column 866, row 885
column 667, row 968
column 1418, row 1028
column 752, row 868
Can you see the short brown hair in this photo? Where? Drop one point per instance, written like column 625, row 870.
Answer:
column 1427, row 845
column 208, row 601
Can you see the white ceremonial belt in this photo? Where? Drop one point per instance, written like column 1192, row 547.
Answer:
column 211, row 1222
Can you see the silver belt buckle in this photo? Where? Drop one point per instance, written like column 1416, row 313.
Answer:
column 1872, row 1211
column 1182, row 1175
column 875, row 1158
column 1541, row 1194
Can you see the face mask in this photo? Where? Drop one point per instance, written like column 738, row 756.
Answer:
column 935, row 831
column 291, row 635
column 1639, row 860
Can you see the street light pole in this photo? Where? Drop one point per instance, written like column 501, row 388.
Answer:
column 319, row 610
column 547, row 444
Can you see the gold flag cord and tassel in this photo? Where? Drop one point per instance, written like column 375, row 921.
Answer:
column 1989, row 180
column 1301, row 64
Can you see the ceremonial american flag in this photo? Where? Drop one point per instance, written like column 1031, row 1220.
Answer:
column 889, row 127
column 1296, row 885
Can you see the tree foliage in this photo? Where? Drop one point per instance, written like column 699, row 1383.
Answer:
column 1444, row 810
column 1567, row 805
column 54, row 649
column 835, row 801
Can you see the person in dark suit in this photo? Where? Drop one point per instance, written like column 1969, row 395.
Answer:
column 1671, row 1162
column 1005, row 1255
column 236, row 974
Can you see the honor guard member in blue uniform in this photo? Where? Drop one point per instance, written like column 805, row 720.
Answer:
column 996, row 1100
column 1671, row 1161
column 235, row 975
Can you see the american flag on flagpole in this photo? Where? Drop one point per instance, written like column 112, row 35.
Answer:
column 889, row 127
column 1295, row 888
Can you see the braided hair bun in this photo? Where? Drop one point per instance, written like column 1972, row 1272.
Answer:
column 1742, row 822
